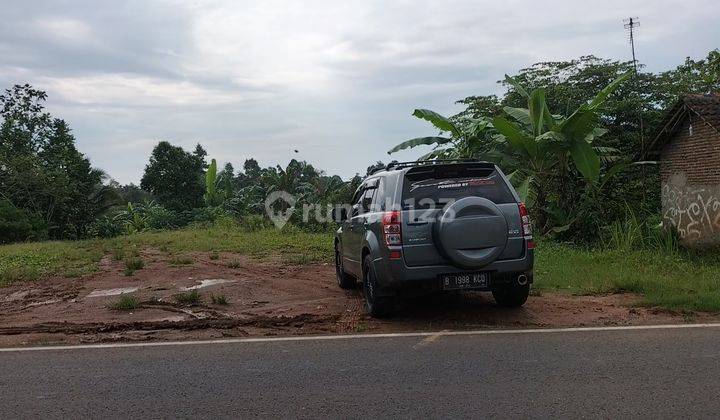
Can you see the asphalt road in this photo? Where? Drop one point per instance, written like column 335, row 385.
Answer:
column 662, row 373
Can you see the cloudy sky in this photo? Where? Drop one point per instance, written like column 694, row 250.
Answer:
column 336, row 80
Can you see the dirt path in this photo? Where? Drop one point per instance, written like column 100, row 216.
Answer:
column 267, row 299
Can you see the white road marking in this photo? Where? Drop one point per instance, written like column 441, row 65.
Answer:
column 361, row 336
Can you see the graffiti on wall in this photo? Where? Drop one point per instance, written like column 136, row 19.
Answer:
column 693, row 210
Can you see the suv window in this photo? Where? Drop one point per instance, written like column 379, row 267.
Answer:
column 423, row 189
column 380, row 201
column 366, row 201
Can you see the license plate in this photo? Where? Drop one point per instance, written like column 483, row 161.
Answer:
column 464, row 281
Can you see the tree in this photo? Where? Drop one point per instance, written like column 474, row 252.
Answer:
column 175, row 177
column 41, row 171
column 226, row 180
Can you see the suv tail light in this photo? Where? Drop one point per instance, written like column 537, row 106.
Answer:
column 392, row 229
column 526, row 225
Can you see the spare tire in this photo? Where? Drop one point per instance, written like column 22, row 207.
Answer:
column 472, row 232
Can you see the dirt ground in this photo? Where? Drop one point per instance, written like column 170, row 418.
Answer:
column 269, row 299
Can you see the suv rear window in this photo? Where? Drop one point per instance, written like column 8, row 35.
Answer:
column 421, row 187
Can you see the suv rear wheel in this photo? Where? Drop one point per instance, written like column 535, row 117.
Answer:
column 344, row 280
column 511, row 295
column 376, row 306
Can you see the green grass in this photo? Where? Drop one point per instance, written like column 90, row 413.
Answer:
column 125, row 303
column 680, row 281
column 30, row 261
column 676, row 280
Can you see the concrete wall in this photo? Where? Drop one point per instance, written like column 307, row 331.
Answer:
column 690, row 173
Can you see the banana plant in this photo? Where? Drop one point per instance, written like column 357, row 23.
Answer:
column 212, row 195
column 546, row 145
column 463, row 140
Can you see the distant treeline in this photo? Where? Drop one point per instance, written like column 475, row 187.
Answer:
column 49, row 190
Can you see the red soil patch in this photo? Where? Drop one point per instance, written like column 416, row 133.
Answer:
column 267, row 299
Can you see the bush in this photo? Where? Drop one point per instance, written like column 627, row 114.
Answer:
column 255, row 222
column 105, row 227
column 19, row 225
column 209, row 215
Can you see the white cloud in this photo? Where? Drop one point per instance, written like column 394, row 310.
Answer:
column 65, row 31
column 335, row 79
column 127, row 90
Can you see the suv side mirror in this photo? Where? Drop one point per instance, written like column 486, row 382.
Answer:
column 339, row 214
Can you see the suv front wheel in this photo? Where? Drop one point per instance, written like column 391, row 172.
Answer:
column 376, row 306
column 511, row 295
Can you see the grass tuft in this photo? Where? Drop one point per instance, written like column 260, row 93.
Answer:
column 180, row 260
column 132, row 264
column 234, row 264
column 219, row 299
column 125, row 303
column 188, row 298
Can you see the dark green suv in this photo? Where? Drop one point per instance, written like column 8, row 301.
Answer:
column 421, row 227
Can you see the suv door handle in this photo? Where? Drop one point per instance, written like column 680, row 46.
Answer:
column 417, row 223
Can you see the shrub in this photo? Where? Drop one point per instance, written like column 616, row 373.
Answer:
column 105, row 227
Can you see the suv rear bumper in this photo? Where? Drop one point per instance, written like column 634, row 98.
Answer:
column 394, row 274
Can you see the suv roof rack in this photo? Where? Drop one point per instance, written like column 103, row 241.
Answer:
column 400, row 165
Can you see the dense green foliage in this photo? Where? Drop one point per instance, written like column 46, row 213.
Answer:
column 47, row 187
column 573, row 201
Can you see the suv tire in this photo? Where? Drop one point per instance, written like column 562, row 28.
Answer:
column 344, row 280
column 376, row 306
column 511, row 295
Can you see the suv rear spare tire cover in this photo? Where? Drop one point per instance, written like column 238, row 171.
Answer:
column 472, row 232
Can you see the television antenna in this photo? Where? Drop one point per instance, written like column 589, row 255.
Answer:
column 630, row 24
